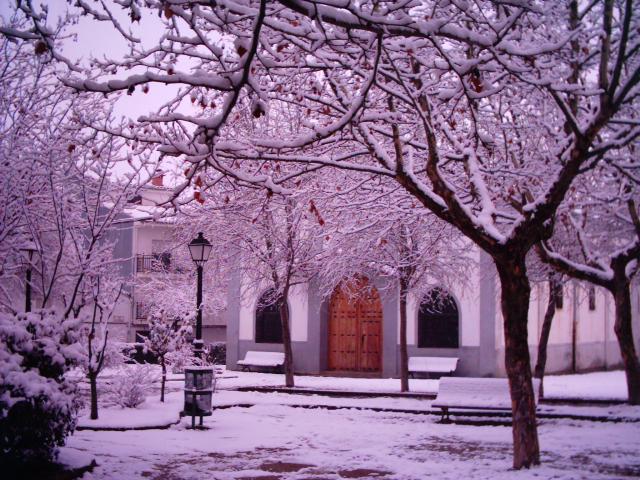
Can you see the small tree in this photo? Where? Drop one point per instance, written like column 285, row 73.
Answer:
column 99, row 353
column 273, row 240
column 166, row 335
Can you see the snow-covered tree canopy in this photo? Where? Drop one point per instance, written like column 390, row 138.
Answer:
column 463, row 103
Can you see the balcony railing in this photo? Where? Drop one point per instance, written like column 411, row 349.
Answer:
column 160, row 262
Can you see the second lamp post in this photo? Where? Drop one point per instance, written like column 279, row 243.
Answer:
column 200, row 249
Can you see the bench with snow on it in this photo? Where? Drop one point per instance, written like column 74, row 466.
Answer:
column 441, row 365
column 463, row 393
column 262, row 359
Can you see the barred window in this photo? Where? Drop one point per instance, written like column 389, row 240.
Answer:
column 268, row 321
column 592, row 298
column 438, row 320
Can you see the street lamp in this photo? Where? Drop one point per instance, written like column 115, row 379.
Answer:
column 199, row 248
column 28, row 249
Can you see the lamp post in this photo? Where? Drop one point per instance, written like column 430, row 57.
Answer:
column 28, row 250
column 199, row 248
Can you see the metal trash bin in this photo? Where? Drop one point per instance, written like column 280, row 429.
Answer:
column 199, row 383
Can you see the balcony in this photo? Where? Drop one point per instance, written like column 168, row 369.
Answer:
column 158, row 262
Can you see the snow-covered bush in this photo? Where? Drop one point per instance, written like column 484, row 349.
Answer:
column 130, row 386
column 184, row 357
column 38, row 405
column 217, row 353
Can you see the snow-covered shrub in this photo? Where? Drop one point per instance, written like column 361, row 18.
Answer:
column 38, row 405
column 217, row 353
column 184, row 357
column 180, row 358
column 130, row 386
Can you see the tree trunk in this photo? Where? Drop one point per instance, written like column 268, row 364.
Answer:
column 286, row 340
column 624, row 333
column 515, row 308
column 164, row 378
column 93, row 382
column 404, row 359
column 541, row 363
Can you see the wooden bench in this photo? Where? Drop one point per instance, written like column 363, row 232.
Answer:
column 475, row 394
column 262, row 359
column 440, row 365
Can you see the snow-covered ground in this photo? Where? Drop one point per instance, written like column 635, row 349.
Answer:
column 276, row 439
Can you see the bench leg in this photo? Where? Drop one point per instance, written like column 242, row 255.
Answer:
column 444, row 418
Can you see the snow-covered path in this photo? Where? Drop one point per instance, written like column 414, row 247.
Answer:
column 272, row 439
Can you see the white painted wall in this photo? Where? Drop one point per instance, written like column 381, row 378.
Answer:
column 299, row 312
column 467, row 300
column 146, row 233
column 591, row 326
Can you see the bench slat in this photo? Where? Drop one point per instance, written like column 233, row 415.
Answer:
column 262, row 359
column 433, row 364
column 480, row 393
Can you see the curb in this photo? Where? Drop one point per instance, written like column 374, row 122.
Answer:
column 466, row 413
column 417, row 395
column 164, row 426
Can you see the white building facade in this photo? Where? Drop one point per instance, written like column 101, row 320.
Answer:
column 142, row 247
column 343, row 337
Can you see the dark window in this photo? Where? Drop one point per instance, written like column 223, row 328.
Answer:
column 142, row 311
column 558, row 293
column 438, row 320
column 268, row 322
column 141, row 335
column 592, row 298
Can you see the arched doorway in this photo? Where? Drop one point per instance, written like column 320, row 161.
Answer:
column 355, row 328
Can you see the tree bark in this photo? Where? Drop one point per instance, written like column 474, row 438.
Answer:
column 404, row 360
column 93, row 382
column 624, row 333
column 164, row 378
column 286, row 340
column 515, row 296
column 541, row 362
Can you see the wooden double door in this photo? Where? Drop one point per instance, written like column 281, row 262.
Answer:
column 355, row 328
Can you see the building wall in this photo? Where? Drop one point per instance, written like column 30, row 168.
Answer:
column 309, row 323
column 137, row 238
column 481, row 341
column 476, row 309
column 595, row 346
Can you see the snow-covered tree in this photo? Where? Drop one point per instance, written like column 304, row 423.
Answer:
column 584, row 248
column 62, row 193
column 273, row 241
column 411, row 252
column 98, row 352
column 166, row 334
